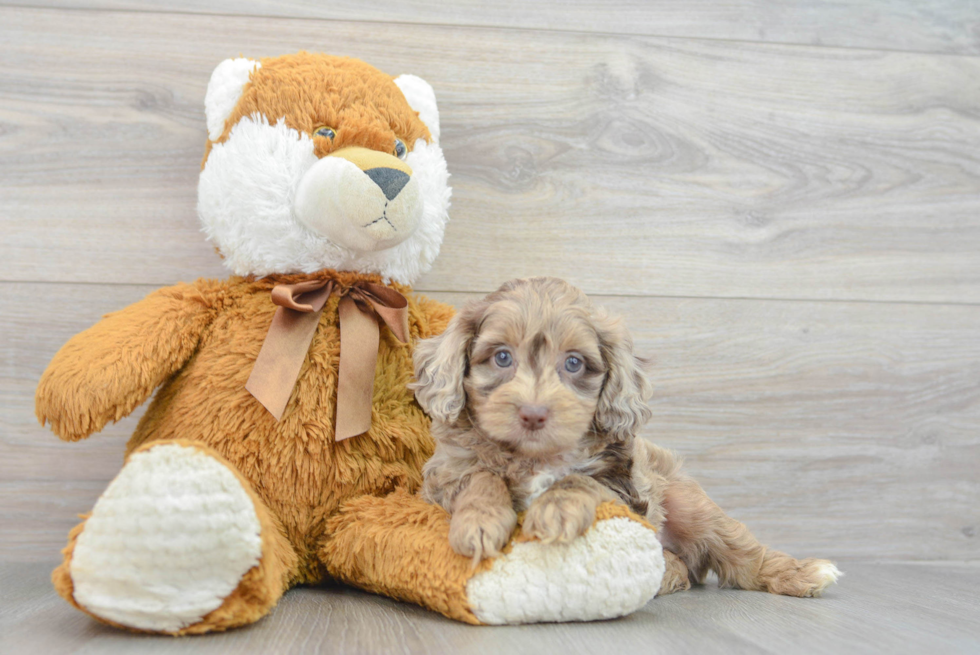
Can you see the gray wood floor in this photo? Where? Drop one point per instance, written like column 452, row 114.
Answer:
column 877, row 608
column 782, row 198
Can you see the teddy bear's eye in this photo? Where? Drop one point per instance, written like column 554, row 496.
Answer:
column 400, row 149
column 325, row 132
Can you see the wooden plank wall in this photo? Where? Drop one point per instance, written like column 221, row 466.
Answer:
column 782, row 198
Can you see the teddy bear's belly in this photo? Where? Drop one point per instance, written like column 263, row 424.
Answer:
column 295, row 466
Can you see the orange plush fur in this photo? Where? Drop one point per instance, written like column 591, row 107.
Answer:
column 199, row 341
column 203, row 355
column 353, row 98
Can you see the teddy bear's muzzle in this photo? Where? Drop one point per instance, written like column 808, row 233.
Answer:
column 390, row 180
column 359, row 198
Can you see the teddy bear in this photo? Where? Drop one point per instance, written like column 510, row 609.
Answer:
column 282, row 445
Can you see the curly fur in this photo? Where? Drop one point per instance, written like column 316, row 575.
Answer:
column 490, row 460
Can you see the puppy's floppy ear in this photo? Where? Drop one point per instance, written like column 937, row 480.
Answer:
column 622, row 408
column 441, row 364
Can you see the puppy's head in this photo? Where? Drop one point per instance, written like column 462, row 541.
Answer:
column 536, row 368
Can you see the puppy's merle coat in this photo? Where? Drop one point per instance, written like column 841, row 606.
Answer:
column 536, row 399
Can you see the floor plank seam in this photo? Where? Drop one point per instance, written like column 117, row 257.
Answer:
column 513, row 28
column 425, row 290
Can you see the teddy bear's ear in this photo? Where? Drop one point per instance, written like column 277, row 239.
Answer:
column 422, row 99
column 224, row 90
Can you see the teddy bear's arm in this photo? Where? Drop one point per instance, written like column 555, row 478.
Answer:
column 105, row 372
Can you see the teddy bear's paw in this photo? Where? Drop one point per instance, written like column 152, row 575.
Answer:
column 612, row 570
column 167, row 542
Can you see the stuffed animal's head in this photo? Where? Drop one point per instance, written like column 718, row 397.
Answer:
column 317, row 162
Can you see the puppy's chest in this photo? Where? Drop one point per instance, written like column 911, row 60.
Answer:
column 527, row 484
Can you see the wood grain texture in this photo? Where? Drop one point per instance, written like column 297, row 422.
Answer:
column 831, row 429
column 946, row 26
column 877, row 608
column 630, row 165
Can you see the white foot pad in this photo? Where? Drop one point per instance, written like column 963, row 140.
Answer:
column 612, row 570
column 168, row 541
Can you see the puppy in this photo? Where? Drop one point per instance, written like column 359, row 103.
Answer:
column 536, row 399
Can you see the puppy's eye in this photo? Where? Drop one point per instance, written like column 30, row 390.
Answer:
column 400, row 150
column 503, row 359
column 573, row 364
column 326, row 132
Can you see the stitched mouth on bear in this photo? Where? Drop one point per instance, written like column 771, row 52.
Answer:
column 383, row 217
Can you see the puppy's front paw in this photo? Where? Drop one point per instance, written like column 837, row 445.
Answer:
column 559, row 516
column 480, row 532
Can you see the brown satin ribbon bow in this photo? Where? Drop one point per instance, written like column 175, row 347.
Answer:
column 297, row 315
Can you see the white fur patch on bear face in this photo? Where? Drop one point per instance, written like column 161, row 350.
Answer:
column 247, row 203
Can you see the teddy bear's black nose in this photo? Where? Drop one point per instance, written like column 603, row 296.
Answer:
column 390, row 180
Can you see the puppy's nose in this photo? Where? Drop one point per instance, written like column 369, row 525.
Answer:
column 533, row 417
column 390, row 180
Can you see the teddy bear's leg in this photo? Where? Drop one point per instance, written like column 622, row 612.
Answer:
column 178, row 543
column 399, row 546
